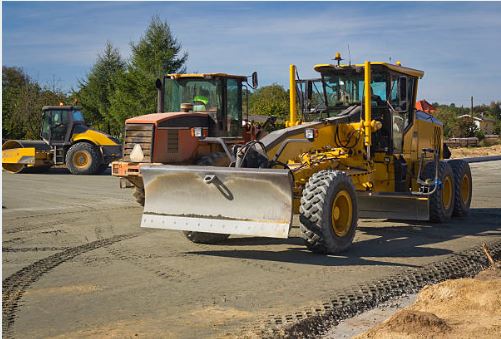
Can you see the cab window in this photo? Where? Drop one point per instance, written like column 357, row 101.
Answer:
column 204, row 94
column 59, row 125
column 401, row 95
column 234, row 107
column 78, row 116
column 46, row 123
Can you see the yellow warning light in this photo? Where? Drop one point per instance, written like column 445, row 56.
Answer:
column 398, row 63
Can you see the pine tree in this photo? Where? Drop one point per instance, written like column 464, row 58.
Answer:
column 95, row 92
column 157, row 53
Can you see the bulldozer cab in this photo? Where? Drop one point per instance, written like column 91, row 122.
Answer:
column 217, row 94
column 59, row 123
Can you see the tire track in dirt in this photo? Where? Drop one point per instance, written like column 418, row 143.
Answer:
column 15, row 285
column 163, row 271
column 33, row 249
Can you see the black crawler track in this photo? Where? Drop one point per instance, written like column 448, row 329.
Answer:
column 15, row 285
column 311, row 323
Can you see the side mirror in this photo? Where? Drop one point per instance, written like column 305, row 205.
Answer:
column 254, row 80
column 158, row 84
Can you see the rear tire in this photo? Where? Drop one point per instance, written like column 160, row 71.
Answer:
column 463, row 187
column 83, row 158
column 214, row 159
column 442, row 201
column 328, row 212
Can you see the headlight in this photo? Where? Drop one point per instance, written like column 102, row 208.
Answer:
column 199, row 132
column 310, row 133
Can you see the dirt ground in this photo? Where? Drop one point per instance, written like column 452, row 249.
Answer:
column 76, row 263
column 466, row 152
column 461, row 308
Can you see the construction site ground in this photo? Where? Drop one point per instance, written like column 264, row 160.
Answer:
column 76, row 263
column 465, row 152
column 457, row 308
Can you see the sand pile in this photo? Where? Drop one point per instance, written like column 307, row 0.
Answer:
column 462, row 308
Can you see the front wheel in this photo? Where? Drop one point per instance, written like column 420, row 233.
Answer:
column 83, row 158
column 441, row 203
column 328, row 212
column 462, row 186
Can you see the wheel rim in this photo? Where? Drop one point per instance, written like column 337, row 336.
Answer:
column 465, row 189
column 342, row 212
column 447, row 193
column 81, row 159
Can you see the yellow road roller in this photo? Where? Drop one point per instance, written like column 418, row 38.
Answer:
column 66, row 140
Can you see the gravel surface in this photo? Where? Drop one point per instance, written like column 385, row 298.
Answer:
column 76, row 263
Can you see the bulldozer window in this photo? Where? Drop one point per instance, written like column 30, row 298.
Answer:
column 234, row 107
column 204, row 94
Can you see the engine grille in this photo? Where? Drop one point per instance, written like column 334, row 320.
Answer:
column 173, row 141
column 141, row 134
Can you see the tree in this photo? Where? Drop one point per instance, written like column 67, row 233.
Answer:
column 22, row 100
column 272, row 100
column 158, row 52
column 448, row 116
column 466, row 128
column 95, row 92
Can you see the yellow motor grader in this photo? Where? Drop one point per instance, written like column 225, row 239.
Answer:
column 357, row 148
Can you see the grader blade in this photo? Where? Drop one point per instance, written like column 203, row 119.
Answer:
column 226, row 200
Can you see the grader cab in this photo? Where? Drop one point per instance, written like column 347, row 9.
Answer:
column 364, row 152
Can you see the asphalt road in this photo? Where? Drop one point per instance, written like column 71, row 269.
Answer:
column 76, row 263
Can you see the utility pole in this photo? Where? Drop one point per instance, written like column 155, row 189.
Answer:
column 471, row 108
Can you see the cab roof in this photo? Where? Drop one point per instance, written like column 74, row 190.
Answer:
column 396, row 68
column 207, row 75
column 61, row 108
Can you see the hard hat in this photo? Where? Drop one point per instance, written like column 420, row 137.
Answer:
column 201, row 98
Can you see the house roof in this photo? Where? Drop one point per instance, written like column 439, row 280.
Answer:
column 425, row 106
column 476, row 118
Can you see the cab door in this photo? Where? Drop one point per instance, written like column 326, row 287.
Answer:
column 233, row 99
column 60, row 124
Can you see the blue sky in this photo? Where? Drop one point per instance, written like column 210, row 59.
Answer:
column 458, row 45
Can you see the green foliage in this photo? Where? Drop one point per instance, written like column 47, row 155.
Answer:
column 466, row 128
column 272, row 100
column 95, row 92
column 158, row 52
column 479, row 134
column 447, row 115
column 22, row 102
